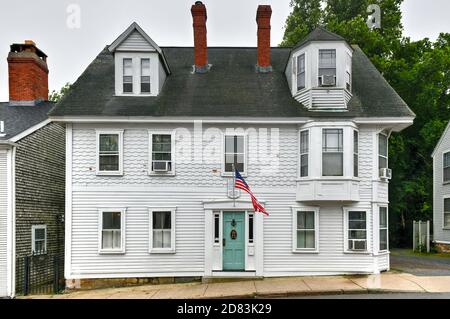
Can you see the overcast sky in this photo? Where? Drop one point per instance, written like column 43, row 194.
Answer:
column 169, row 23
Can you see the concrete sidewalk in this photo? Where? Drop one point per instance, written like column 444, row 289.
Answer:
column 271, row 287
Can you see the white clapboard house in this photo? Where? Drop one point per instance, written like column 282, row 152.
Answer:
column 153, row 133
column 441, row 192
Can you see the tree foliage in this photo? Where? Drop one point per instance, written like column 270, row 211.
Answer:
column 417, row 70
column 56, row 96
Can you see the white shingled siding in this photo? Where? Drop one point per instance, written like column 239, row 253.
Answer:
column 194, row 183
column 3, row 224
column 440, row 191
column 135, row 42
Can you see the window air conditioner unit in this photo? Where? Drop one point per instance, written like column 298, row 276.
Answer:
column 162, row 166
column 385, row 173
column 328, row 80
column 357, row 244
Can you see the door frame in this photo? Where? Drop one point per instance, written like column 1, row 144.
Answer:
column 213, row 251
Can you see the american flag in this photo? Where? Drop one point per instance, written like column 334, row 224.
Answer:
column 241, row 184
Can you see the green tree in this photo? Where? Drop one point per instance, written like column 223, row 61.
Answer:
column 56, row 96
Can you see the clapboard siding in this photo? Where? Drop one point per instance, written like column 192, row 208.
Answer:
column 272, row 178
column 440, row 191
column 3, row 223
column 135, row 42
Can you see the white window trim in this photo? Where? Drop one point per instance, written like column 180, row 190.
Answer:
column 109, row 173
column 172, row 249
column 296, row 209
column 444, row 212
column 300, row 157
column 387, row 229
column 33, row 238
column 343, row 153
column 296, row 72
column 336, row 67
column 150, row 152
column 346, row 250
column 443, row 181
column 244, row 173
column 378, row 152
column 123, row 229
column 140, row 75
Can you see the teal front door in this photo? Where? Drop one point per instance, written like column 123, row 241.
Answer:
column 234, row 241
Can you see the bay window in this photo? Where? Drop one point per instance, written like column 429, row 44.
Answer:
column 301, row 74
column 382, row 151
column 355, row 153
column 332, row 152
column 327, row 67
column 383, row 225
column 304, row 153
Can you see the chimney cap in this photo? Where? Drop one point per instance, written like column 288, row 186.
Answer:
column 198, row 9
column 264, row 11
column 28, row 45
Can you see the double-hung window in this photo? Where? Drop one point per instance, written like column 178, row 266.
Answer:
column 306, row 229
column 383, row 224
column 234, row 153
column 348, row 72
column 145, row 75
column 355, row 153
column 301, row 72
column 109, row 153
column 127, row 75
column 357, row 230
column 446, row 221
column 446, row 167
column 382, row 151
column 161, row 153
column 112, row 231
column 162, row 230
column 304, row 153
column 332, row 152
column 38, row 239
column 327, row 67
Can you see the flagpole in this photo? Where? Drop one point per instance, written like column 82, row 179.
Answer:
column 234, row 186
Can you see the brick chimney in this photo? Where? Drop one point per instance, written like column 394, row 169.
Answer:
column 198, row 11
column 28, row 74
column 263, row 16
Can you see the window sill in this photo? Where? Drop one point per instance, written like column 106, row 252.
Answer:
column 446, row 183
column 328, row 178
column 111, row 252
column 306, row 251
column 112, row 173
column 161, row 174
column 162, row 251
column 354, row 252
column 229, row 174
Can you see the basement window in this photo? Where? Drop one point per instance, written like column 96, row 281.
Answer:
column 39, row 239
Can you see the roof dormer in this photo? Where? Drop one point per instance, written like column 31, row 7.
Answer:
column 319, row 71
column 140, row 66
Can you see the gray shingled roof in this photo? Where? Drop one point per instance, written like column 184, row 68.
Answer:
column 319, row 34
column 231, row 89
column 20, row 118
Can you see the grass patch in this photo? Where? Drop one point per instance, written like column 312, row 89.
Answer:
column 410, row 252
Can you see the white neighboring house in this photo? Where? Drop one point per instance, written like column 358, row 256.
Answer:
column 441, row 192
column 151, row 140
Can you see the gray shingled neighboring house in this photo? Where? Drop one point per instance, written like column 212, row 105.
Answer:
column 32, row 167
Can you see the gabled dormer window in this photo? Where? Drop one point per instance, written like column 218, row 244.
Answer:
column 127, row 75
column 301, row 72
column 327, row 67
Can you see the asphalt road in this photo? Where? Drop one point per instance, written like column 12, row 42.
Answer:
column 420, row 266
column 380, row 296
